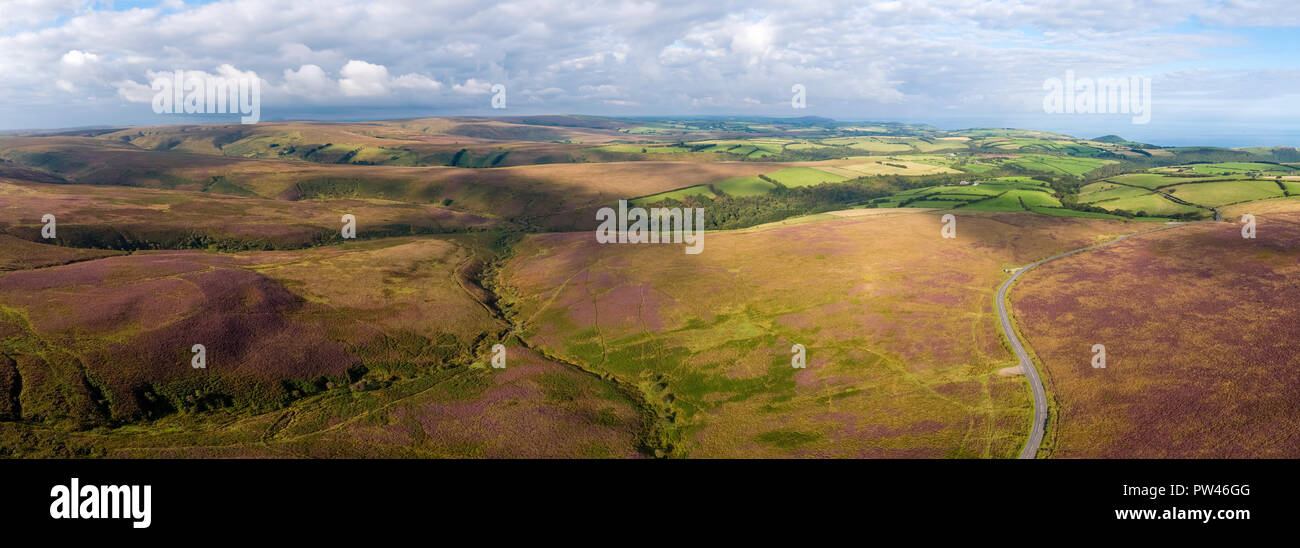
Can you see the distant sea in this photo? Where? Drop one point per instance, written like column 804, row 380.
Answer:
column 1223, row 138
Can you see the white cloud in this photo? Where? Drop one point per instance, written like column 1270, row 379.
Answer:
column 307, row 81
column 754, row 40
column 895, row 59
column 473, row 87
column 416, row 82
column 604, row 90
column 134, row 92
column 362, row 79
column 20, row 14
column 78, row 58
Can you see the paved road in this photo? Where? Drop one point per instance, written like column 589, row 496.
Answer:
column 1027, row 365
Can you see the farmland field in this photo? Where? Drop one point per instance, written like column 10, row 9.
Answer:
column 1103, row 191
column 1228, row 192
column 744, row 186
column 1017, row 200
column 1149, row 180
column 698, row 191
column 1066, row 165
column 1233, row 168
column 1151, row 204
column 889, row 166
column 870, row 144
column 803, row 176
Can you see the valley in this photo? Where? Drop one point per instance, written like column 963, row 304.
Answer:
column 474, row 232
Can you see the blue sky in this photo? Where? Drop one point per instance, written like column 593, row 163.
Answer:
column 1223, row 71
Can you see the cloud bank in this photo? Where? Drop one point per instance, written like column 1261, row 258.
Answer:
column 76, row 63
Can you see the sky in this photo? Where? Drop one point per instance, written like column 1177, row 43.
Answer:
column 1222, row 72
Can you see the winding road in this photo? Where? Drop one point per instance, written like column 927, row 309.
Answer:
column 1027, row 365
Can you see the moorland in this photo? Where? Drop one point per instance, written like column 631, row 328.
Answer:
column 474, row 238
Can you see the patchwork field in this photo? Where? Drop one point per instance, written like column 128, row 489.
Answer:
column 1002, row 194
column 1148, row 180
column 1017, row 200
column 1169, row 194
column 1232, row 168
column 1148, row 204
column 1227, row 192
column 1064, row 165
column 1101, row 192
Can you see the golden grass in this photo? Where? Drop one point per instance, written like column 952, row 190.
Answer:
column 903, row 348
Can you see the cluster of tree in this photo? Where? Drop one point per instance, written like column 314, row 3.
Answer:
column 1184, row 216
column 223, row 139
column 348, row 156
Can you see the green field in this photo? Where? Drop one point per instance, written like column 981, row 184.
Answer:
column 1016, row 200
column 1020, row 179
column 1213, row 193
column 1226, row 192
column 1151, row 204
column 804, row 176
column 881, row 146
column 1063, row 212
column 744, row 186
column 937, row 145
column 1148, row 180
column 1052, row 146
column 1096, row 193
column 891, row 165
column 1064, row 165
column 1233, row 168
column 1017, row 194
column 736, row 187
column 942, row 204
column 699, row 191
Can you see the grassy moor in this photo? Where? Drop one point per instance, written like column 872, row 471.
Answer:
column 1198, row 326
column 471, row 312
